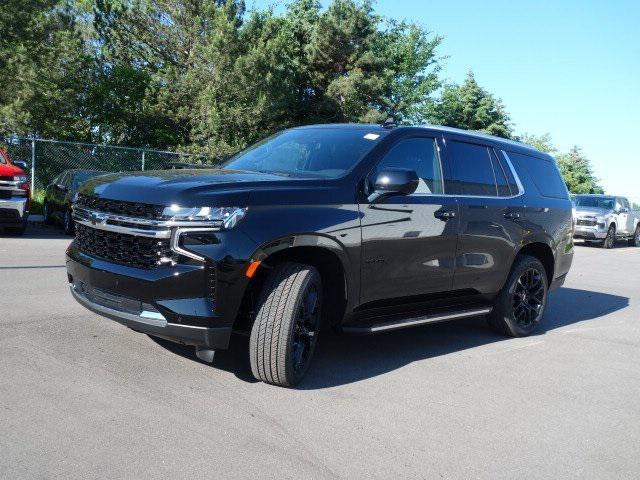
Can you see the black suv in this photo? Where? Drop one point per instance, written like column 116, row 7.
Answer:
column 366, row 228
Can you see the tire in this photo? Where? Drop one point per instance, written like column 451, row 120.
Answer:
column 46, row 215
column 284, row 333
column 510, row 315
column 635, row 241
column 610, row 240
column 67, row 223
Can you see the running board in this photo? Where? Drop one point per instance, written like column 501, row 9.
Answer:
column 413, row 322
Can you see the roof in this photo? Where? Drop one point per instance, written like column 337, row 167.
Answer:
column 433, row 128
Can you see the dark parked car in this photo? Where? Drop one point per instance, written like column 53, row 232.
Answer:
column 60, row 195
column 362, row 227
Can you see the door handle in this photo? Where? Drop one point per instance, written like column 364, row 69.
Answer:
column 512, row 215
column 444, row 214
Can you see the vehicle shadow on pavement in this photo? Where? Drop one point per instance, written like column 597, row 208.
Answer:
column 342, row 359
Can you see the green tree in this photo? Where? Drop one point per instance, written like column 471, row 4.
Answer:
column 577, row 172
column 471, row 107
column 541, row 142
column 45, row 69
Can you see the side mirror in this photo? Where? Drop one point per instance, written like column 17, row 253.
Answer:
column 623, row 210
column 20, row 164
column 393, row 181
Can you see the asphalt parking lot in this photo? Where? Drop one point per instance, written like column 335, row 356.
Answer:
column 83, row 397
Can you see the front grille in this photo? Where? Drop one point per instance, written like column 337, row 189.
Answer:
column 5, row 178
column 128, row 209
column 131, row 250
column 5, row 194
column 586, row 222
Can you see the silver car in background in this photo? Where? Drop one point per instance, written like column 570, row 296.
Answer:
column 605, row 219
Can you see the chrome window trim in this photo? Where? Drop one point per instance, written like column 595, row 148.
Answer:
column 444, row 187
column 514, row 173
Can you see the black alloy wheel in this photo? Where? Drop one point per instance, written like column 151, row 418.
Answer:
column 528, row 298
column 519, row 307
column 287, row 321
column 305, row 329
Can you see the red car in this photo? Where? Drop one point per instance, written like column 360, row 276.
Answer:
column 15, row 195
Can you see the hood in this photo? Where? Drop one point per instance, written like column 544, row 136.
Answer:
column 591, row 211
column 202, row 187
column 9, row 170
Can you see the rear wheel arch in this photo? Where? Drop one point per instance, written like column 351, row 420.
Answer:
column 542, row 252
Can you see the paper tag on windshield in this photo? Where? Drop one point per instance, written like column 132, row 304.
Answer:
column 371, row 136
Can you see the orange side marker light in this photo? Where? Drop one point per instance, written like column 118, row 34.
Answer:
column 251, row 269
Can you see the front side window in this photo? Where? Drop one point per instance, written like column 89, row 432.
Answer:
column 421, row 156
column 308, row 152
column 472, row 170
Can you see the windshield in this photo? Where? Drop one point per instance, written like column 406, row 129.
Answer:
column 605, row 203
column 80, row 177
column 316, row 152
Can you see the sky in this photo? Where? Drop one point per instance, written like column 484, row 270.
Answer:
column 570, row 68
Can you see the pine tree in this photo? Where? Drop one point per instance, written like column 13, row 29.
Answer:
column 470, row 107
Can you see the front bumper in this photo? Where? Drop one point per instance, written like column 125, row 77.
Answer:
column 172, row 303
column 13, row 211
column 589, row 233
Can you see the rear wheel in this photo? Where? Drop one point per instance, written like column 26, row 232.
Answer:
column 610, row 240
column 635, row 241
column 285, row 331
column 521, row 303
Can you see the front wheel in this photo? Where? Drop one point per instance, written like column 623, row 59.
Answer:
column 635, row 241
column 610, row 240
column 46, row 214
column 285, row 330
column 67, row 222
column 521, row 303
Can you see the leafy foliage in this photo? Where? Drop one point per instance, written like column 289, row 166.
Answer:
column 471, row 107
column 577, row 172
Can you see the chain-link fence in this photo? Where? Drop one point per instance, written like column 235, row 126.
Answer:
column 48, row 158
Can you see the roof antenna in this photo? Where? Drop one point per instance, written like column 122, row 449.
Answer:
column 389, row 123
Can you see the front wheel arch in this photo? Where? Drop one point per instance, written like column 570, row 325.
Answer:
column 336, row 285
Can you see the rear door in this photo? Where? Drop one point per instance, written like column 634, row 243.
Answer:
column 491, row 213
column 409, row 241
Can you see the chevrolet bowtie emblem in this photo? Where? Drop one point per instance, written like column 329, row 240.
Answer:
column 98, row 218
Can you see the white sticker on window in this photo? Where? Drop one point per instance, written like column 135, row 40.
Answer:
column 371, row 136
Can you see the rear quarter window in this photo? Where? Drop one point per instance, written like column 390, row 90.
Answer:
column 544, row 174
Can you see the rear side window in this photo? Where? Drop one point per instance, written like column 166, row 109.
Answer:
column 420, row 155
column 545, row 175
column 513, row 185
column 472, row 170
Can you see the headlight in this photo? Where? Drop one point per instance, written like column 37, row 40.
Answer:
column 229, row 216
column 20, row 178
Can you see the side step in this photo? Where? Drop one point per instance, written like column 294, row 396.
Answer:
column 413, row 322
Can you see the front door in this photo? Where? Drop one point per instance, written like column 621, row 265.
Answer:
column 409, row 241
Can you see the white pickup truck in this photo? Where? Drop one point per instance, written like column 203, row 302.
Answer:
column 605, row 219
